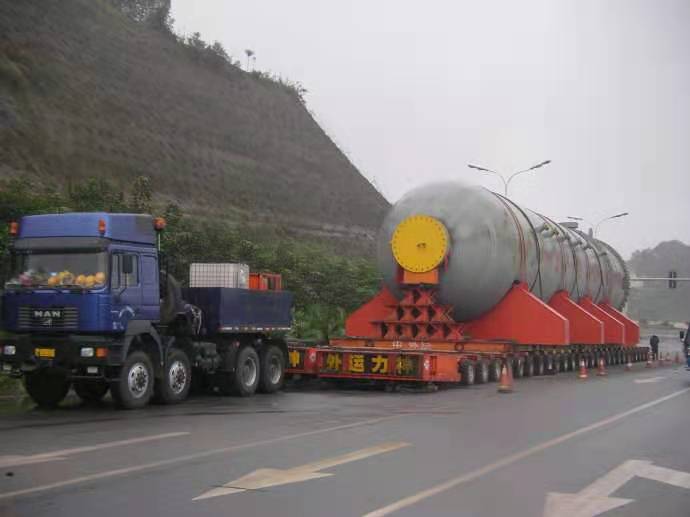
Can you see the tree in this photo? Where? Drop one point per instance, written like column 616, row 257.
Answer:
column 141, row 195
column 250, row 55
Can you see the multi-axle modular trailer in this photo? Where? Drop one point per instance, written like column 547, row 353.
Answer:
column 474, row 281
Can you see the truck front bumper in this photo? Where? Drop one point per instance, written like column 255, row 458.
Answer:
column 78, row 355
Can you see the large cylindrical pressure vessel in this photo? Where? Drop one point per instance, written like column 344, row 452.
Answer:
column 493, row 243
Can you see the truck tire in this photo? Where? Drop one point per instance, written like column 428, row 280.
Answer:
column 91, row 392
column 272, row 369
column 482, row 374
column 134, row 387
column 539, row 365
column 467, row 373
column 529, row 366
column 247, row 372
column 176, row 380
column 519, row 367
column 46, row 388
column 495, row 370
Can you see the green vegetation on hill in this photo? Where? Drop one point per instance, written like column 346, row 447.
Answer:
column 86, row 92
column 326, row 284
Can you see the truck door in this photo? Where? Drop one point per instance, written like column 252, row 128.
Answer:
column 126, row 289
column 150, row 293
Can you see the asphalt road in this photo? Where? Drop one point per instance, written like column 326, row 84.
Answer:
column 617, row 441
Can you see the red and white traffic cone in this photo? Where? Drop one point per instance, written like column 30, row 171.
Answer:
column 668, row 357
column 602, row 367
column 583, row 370
column 505, row 384
column 677, row 358
column 628, row 365
column 649, row 360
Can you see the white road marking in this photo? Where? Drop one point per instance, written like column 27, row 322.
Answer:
column 185, row 458
column 594, row 499
column 264, row 478
column 513, row 458
column 647, row 380
column 15, row 461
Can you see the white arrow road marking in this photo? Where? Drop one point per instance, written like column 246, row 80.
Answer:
column 646, row 380
column 90, row 478
column 264, row 478
column 594, row 499
column 16, row 461
column 514, row 458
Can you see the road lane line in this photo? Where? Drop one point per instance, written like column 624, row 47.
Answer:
column 513, row 458
column 648, row 380
column 186, row 458
column 16, row 461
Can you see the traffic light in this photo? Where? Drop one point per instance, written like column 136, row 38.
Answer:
column 672, row 284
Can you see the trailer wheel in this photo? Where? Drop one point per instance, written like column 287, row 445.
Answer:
column 495, row 371
column 519, row 367
column 272, row 370
column 482, row 375
column 91, row 392
column 247, row 372
column 569, row 362
column 539, row 365
column 176, row 380
column 529, row 366
column 134, row 387
column 46, row 388
column 467, row 373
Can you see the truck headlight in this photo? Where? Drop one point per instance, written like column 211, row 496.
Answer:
column 87, row 351
column 9, row 350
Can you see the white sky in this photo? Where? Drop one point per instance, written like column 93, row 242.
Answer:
column 413, row 91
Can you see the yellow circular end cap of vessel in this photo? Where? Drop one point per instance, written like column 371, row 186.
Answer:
column 420, row 243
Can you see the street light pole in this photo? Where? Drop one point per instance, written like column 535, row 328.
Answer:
column 595, row 227
column 506, row 183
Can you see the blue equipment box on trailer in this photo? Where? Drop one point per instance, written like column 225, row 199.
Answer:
column 241, row 310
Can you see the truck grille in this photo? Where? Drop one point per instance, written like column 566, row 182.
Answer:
column 48, row 318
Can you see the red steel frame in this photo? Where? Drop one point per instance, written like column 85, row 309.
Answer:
column 419, row 328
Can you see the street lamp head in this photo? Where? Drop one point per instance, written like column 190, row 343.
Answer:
column 575, row 218
column 477, row 167
column 622, row 214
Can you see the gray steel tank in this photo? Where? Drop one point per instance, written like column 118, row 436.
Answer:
column 495, row 243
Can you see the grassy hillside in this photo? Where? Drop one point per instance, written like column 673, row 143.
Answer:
column 85, row 91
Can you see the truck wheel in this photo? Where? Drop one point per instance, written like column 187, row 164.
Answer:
column 91, row 392
column 481, row 372
column 519, row 367
column 174, row 384
column 495, row 371
column 539, row 365
column 46, row 388
column 529, row 366
column 272, row 370
column 134, row 387
column 467, row 373
column 247, row 372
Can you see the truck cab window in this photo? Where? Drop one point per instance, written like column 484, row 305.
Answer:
column 125, row 270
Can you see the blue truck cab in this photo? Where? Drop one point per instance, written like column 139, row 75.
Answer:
column 88, row 306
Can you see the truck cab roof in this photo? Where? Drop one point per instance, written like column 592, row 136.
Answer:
column 132, row 228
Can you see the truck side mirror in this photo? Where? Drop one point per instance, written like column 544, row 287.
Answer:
column 127, row 264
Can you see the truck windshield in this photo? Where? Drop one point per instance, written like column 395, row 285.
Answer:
column 86, row 270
